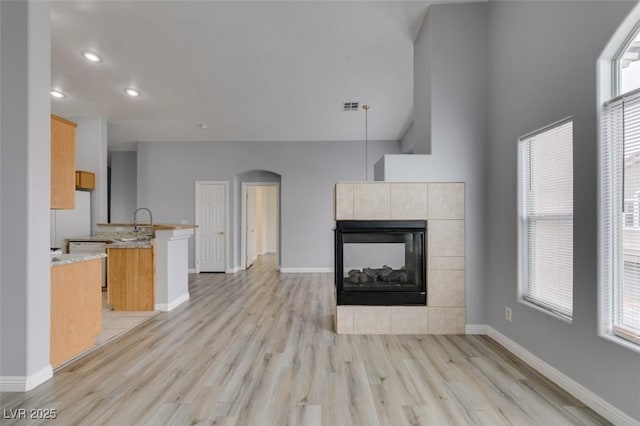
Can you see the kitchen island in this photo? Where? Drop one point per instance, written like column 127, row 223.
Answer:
column 76, row 304
column 170, row 258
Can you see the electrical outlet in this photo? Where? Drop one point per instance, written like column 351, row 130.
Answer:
column 507, row 313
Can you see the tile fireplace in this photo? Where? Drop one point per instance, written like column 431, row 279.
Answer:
column 400, row 257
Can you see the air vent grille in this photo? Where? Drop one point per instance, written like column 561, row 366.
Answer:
column 350, row 106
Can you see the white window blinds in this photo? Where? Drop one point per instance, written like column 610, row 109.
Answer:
column 620, row 214
column 546, row 218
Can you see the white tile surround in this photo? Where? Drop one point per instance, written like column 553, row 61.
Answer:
column 443, row 206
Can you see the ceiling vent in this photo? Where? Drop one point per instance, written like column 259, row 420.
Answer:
column 350, row 106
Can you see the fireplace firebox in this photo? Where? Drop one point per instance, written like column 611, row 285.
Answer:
column 380, row 262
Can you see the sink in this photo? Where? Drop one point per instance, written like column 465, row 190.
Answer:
column 132, row 239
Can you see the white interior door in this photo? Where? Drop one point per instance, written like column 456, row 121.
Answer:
column 259, row 221
column 252, row 243
column 271, row 219
column 211, row 208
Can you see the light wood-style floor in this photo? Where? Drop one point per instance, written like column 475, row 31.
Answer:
column 258, row 348
column 115, row 323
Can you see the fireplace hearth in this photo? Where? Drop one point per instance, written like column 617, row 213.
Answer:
column 380, row 262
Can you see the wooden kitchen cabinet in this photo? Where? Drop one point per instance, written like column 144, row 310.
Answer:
column 76, row 308
column 85, row 180
column 63, row 163
column 131, row 278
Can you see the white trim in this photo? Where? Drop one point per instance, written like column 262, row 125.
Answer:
column 166, row 307
column 476, row 329
column 593, row 401
column 192, row 271
column 243, row 226
column 226, row 219
column 544, row 310
column 232, row 270
column 545, row 128
column 304, row 270
column 24, row 384
column 609, row 336
column 615, row 61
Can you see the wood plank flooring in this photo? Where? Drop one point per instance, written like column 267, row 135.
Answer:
column 258, row 348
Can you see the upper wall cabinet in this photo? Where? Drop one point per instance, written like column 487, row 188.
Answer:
column 85, row 180
column 63, row 163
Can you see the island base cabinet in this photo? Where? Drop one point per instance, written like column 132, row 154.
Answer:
column 131, row 279
column 76, row 308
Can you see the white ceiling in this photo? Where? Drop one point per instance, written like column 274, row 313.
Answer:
column 248, row 70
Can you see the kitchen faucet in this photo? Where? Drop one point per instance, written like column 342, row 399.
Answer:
column 136, row 225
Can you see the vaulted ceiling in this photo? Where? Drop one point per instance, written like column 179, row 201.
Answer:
column 236, row 71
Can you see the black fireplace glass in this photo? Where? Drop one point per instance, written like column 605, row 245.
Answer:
column 380, row 262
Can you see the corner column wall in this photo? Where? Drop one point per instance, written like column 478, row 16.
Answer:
column 25, row 147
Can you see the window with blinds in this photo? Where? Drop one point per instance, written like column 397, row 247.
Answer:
column 545, row 179
column 620, row 214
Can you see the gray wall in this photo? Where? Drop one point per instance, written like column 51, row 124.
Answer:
column 417, row 138
column 25, row 145
column 167, row 173
column 542, row 68
column 452, row 93
column 91, row 155
column 124, row 181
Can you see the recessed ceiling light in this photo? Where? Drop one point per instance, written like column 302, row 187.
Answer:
column 91, row 56
column 132, row 92
column 57, row 94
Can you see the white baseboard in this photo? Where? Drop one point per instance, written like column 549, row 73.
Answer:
column 304, row 270
column 25, row 383
column 475, row 329
column 192, row 270
column 173, row 304
column 593, row 401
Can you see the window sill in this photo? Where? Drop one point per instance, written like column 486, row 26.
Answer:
column 620, row 341
column 546, row 311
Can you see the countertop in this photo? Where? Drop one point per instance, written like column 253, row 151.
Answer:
column 65, row 259
column 113, row 240
column 91, row 239
column 156, row 226
column 131, row 244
